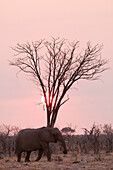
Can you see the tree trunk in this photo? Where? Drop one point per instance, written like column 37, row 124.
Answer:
column 54, row 116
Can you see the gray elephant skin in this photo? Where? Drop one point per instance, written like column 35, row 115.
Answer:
column 29, row 140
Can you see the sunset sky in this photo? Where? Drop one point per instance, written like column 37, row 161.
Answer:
column 80, row 20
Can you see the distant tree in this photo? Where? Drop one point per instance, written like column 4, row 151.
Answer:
column 7, row 138
column 69, row 136
column 92, row 138
column 67, row 130
column 56, row 65
column 108, row 131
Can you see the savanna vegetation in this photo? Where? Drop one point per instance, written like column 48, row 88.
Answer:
column 95, row 140
column 91, row 150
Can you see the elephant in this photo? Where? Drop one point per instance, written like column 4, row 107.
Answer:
column 29, row 140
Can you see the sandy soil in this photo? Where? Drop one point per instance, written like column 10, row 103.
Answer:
column 71, row 161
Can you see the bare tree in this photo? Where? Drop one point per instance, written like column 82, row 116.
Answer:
column 108, row 131
column 7, row 138
column 92, row 138
column 58, row 68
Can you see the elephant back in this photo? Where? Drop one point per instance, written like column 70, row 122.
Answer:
column 27, row 140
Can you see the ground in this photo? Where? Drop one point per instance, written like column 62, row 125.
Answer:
column 71, row 161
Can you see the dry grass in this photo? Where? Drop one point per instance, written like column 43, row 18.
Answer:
column 71, row 161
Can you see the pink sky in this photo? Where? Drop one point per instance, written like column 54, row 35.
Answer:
column 79, row 20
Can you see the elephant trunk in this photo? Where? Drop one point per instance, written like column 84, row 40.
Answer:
column 64, row 145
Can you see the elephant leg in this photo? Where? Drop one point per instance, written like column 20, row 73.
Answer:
column 39, row 154
column 19, row 156
column 27, row 156
column 47, row 151
column 48, row 155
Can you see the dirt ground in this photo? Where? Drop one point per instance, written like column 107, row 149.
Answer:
column 71, row 161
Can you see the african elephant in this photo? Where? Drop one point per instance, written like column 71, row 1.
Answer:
column 29, row 140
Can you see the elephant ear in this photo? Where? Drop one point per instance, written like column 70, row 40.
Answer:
column 47, row 135
column 44, row 136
